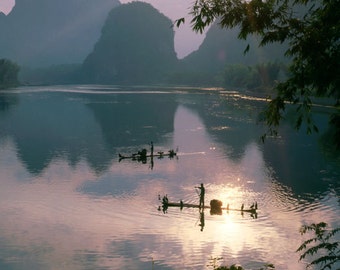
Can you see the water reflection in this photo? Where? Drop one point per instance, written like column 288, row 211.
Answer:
column 296, row 160
column 58, row 125
column 6, row 102
column 48, row 127
column 67, row 201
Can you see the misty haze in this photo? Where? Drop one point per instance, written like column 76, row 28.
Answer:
column 116, row 153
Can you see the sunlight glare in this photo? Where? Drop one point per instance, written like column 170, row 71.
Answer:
column 229, row 224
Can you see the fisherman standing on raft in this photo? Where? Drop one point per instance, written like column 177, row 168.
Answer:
column 151, row 144
column 202, row 193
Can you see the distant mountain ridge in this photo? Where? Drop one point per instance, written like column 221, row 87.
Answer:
column 222, row 47
column 136, row 46
column 105, row 42
column 48, row 32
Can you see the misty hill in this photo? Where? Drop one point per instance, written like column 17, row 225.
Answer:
column 46, row 32
column 222, row 47
column 136, row 46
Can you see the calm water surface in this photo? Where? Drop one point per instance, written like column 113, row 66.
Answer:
column 67, row 202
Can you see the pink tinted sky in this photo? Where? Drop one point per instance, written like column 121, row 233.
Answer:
column 186, row 40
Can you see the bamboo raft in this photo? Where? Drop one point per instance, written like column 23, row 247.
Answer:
column 143, row 155
column 189, row 205
column 138, row 156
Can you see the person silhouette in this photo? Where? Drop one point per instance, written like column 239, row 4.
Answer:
column 202, row 193
column 151, row 144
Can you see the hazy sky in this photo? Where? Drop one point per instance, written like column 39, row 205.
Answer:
column 186, row 40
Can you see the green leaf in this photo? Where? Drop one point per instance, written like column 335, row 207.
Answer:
column 180, row 21
column 246, row 49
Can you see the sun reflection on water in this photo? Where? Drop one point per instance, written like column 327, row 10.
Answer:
column 84, row 218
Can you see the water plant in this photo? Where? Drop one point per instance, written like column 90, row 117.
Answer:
column 322, row 247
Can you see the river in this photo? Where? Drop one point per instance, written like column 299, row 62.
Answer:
column 68, row 202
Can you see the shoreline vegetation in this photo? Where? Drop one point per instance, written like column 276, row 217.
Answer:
column 255, row 78
column 8, row 74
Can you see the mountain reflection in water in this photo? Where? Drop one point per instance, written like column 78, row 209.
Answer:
column 68, row 203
